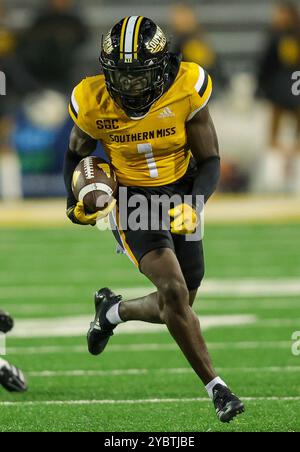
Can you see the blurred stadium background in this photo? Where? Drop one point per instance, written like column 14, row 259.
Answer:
column 48, row 46
column 49, row 268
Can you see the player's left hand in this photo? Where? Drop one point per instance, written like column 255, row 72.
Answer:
column 185, row 219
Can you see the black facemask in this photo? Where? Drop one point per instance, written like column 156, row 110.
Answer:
column 135, row 89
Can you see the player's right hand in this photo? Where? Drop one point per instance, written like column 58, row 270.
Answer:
column 78, row 216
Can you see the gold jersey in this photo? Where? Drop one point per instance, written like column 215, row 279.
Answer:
column 150, row 151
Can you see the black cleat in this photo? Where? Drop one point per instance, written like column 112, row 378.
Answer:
column 6, row 322
column 101, row 329
column 12, row 378
column 226, row 403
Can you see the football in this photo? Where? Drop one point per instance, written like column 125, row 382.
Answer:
column 94, row 183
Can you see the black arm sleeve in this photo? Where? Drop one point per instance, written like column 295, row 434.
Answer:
column 71, row 161
column 207, row 178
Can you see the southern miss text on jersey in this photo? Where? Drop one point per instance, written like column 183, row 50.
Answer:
column 150, row 151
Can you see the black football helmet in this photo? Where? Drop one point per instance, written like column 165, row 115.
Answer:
column 136, row 63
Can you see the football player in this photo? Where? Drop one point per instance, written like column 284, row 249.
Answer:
column 149, row 111
column 11, row 378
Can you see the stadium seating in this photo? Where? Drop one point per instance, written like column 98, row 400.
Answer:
column 235, row 27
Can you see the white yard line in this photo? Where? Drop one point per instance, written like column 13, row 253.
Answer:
column 142, row 401
column 278, row 323
column 141, row 372
column 245, row 345
column 256, row 304
column 215, row 287
column 216, row 304
column 77, row 325
column 234, row 287
column 249, row 287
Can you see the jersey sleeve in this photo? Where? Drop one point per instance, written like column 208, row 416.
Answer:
column 78, row 108
column 201, row 91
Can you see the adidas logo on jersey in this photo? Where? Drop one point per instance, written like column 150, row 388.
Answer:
column 166, row 113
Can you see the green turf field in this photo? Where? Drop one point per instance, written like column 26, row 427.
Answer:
column 249, row 306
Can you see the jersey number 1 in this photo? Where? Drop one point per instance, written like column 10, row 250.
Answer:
column 146, row 149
